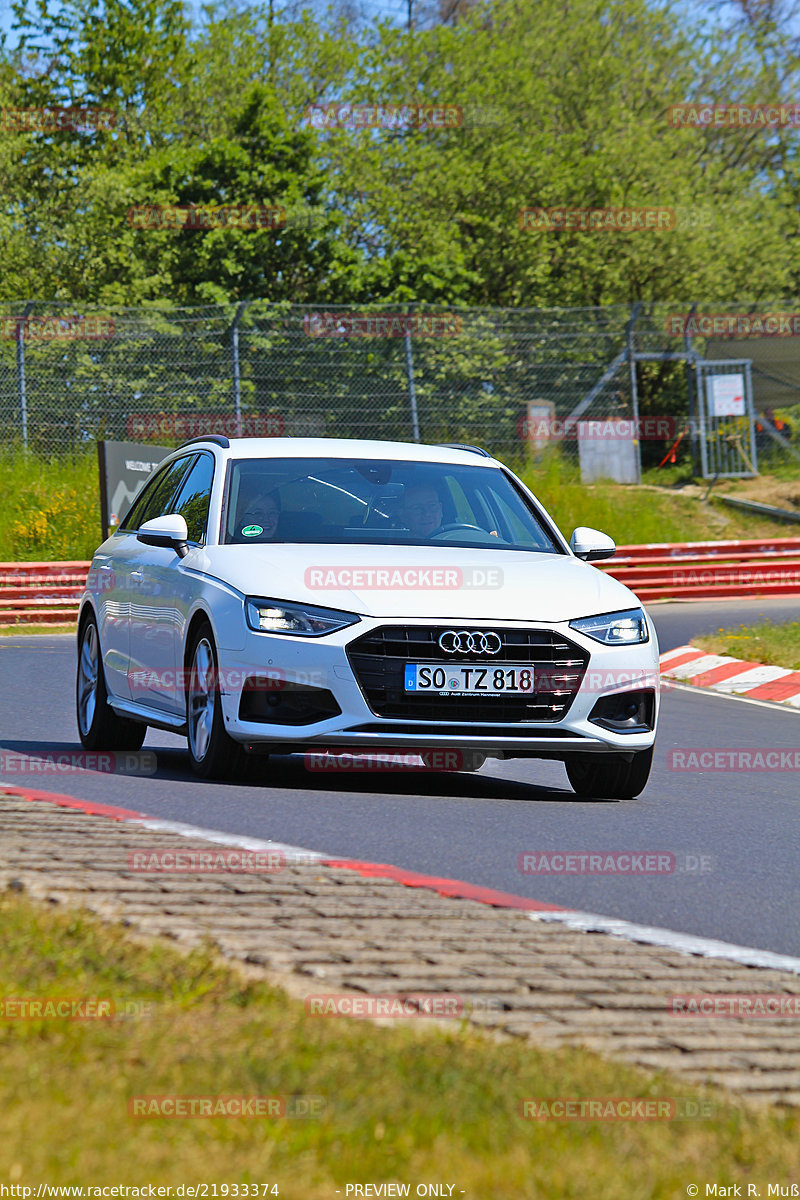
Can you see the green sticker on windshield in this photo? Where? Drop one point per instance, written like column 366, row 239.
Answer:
column 252, row 531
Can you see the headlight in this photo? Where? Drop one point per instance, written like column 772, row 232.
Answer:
column 615, row 629
column 302, row 620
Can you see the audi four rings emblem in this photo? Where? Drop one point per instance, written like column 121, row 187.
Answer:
column 453, row 642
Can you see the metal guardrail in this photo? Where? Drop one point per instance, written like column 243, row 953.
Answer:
column 48, row 593
column 41, row 593
column 709, row 570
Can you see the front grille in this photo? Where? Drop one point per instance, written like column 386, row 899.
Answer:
column 378, row 660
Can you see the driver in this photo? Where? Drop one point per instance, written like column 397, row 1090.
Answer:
column 421, row 510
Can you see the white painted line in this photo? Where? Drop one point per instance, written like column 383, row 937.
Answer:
column 293, row 854
column 745, row 681
column 737, row 697
column 668, row 655
column 684, row 943
column 700, row 665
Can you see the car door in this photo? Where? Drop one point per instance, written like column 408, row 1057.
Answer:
column 168, row 589
column 118, row 578
column 149, row 637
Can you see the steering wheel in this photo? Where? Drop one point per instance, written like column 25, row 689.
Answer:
column 453, row 525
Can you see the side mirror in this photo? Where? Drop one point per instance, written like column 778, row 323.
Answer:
column 169, row 531
column 591, row 544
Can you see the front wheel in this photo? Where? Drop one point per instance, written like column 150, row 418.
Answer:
column 99, row 727
column 213, row 754
column 611, row 777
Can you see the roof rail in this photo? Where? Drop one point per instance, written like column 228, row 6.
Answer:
column 465, row 446
column 218, row 439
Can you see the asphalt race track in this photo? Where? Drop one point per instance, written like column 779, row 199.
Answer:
column 735, row 834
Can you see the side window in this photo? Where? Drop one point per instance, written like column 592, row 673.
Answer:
column 154, row 500
column 194, row 497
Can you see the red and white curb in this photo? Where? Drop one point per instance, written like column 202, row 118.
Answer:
column 731, row 676
column 536, row 910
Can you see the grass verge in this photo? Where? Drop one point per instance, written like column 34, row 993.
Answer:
column 24, row 628
column 650, row 513
column 408, row 1104
column 773, row 644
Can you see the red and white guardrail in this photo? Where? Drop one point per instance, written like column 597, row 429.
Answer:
column 48, row 592
column 41, row 593
column 709, row 570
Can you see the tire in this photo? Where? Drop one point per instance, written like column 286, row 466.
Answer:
column 212, row 753
column 610, row 777
column 99, row 727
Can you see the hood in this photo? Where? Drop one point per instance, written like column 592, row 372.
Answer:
column 411, row 582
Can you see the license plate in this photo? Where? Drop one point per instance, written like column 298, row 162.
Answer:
column 512, row 679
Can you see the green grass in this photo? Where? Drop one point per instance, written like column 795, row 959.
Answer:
column 409, row 1104
column 51, row 507
column 775, row 645
column 25, row 629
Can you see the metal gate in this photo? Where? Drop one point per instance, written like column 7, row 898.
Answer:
column 726, row 419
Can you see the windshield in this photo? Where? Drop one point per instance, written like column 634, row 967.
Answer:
column 378, row 502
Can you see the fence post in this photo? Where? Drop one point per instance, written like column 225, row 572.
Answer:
column 693, row 384
column 23, row 396
column 237, row 391
column 637, row 308
column 412, row 391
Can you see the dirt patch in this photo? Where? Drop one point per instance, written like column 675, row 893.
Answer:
column 766, row 489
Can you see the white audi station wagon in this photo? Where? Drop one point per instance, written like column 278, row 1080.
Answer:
column 281, row 595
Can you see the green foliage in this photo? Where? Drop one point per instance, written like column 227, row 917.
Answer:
column 567, row 109
column 51, row 509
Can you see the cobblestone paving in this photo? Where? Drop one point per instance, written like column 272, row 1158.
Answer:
column 318, row 930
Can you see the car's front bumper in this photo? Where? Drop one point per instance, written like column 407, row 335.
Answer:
column 290, row 667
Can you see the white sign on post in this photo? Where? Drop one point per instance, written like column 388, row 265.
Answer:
column 726, row 395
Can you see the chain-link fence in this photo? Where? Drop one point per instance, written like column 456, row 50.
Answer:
column 512, row 380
